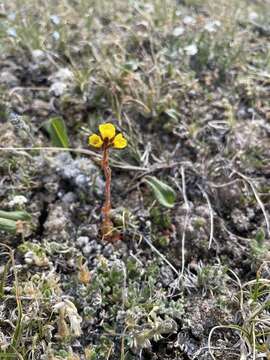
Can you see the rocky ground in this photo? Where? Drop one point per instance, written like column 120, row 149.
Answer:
column 188, row 84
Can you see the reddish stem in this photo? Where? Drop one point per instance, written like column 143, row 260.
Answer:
column 106, row 224
column 107, row 172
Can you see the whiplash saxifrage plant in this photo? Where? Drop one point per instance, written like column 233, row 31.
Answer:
column 106, row 140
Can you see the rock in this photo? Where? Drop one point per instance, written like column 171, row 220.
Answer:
column 87, row 249
column 81, row 172
column 57, row 224
column 82, row 240
column 7, row 78
column 40, row 107
column 69, row 198
column 63, row 74
column 58, row 88
column 39, row 55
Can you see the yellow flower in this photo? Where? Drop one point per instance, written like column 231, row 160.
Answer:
column 95, row 140
column 107, row 131
column 108, row 137
column 119, row 142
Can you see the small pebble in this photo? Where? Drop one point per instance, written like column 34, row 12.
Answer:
column 87, row 249
column 82, row 240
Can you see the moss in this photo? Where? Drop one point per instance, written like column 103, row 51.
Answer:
column 199, row 222
column 163, row 241
column 160, row 218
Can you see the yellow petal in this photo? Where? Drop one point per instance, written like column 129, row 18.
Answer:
column 95, row 140
column 119, row 142
column 107, row 131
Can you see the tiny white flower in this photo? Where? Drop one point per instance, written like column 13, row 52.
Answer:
column 178, row 31
column 12, row 32
column 191, row 49
column 253, row 16
column 212, row 26
column 18, row 200
column 56, row 35
column 55, row 19
column 189, row 20
column 11, row 16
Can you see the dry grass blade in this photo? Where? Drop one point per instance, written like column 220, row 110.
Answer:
column 16, row 338
column 250, row 182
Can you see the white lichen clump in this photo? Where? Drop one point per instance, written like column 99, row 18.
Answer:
column 18, row 200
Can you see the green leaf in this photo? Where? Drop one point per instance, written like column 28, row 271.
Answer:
column 260, row 236
column 58, row 133
column 172, row 113
column 164, row 194
column 8, row 225
column 15, row 215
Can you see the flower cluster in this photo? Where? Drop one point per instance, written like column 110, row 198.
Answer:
column 108, row 137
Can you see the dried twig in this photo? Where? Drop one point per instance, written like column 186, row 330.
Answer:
column 211, row 212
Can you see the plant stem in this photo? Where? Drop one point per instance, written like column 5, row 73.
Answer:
column 107, row 172
column 106, row 223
